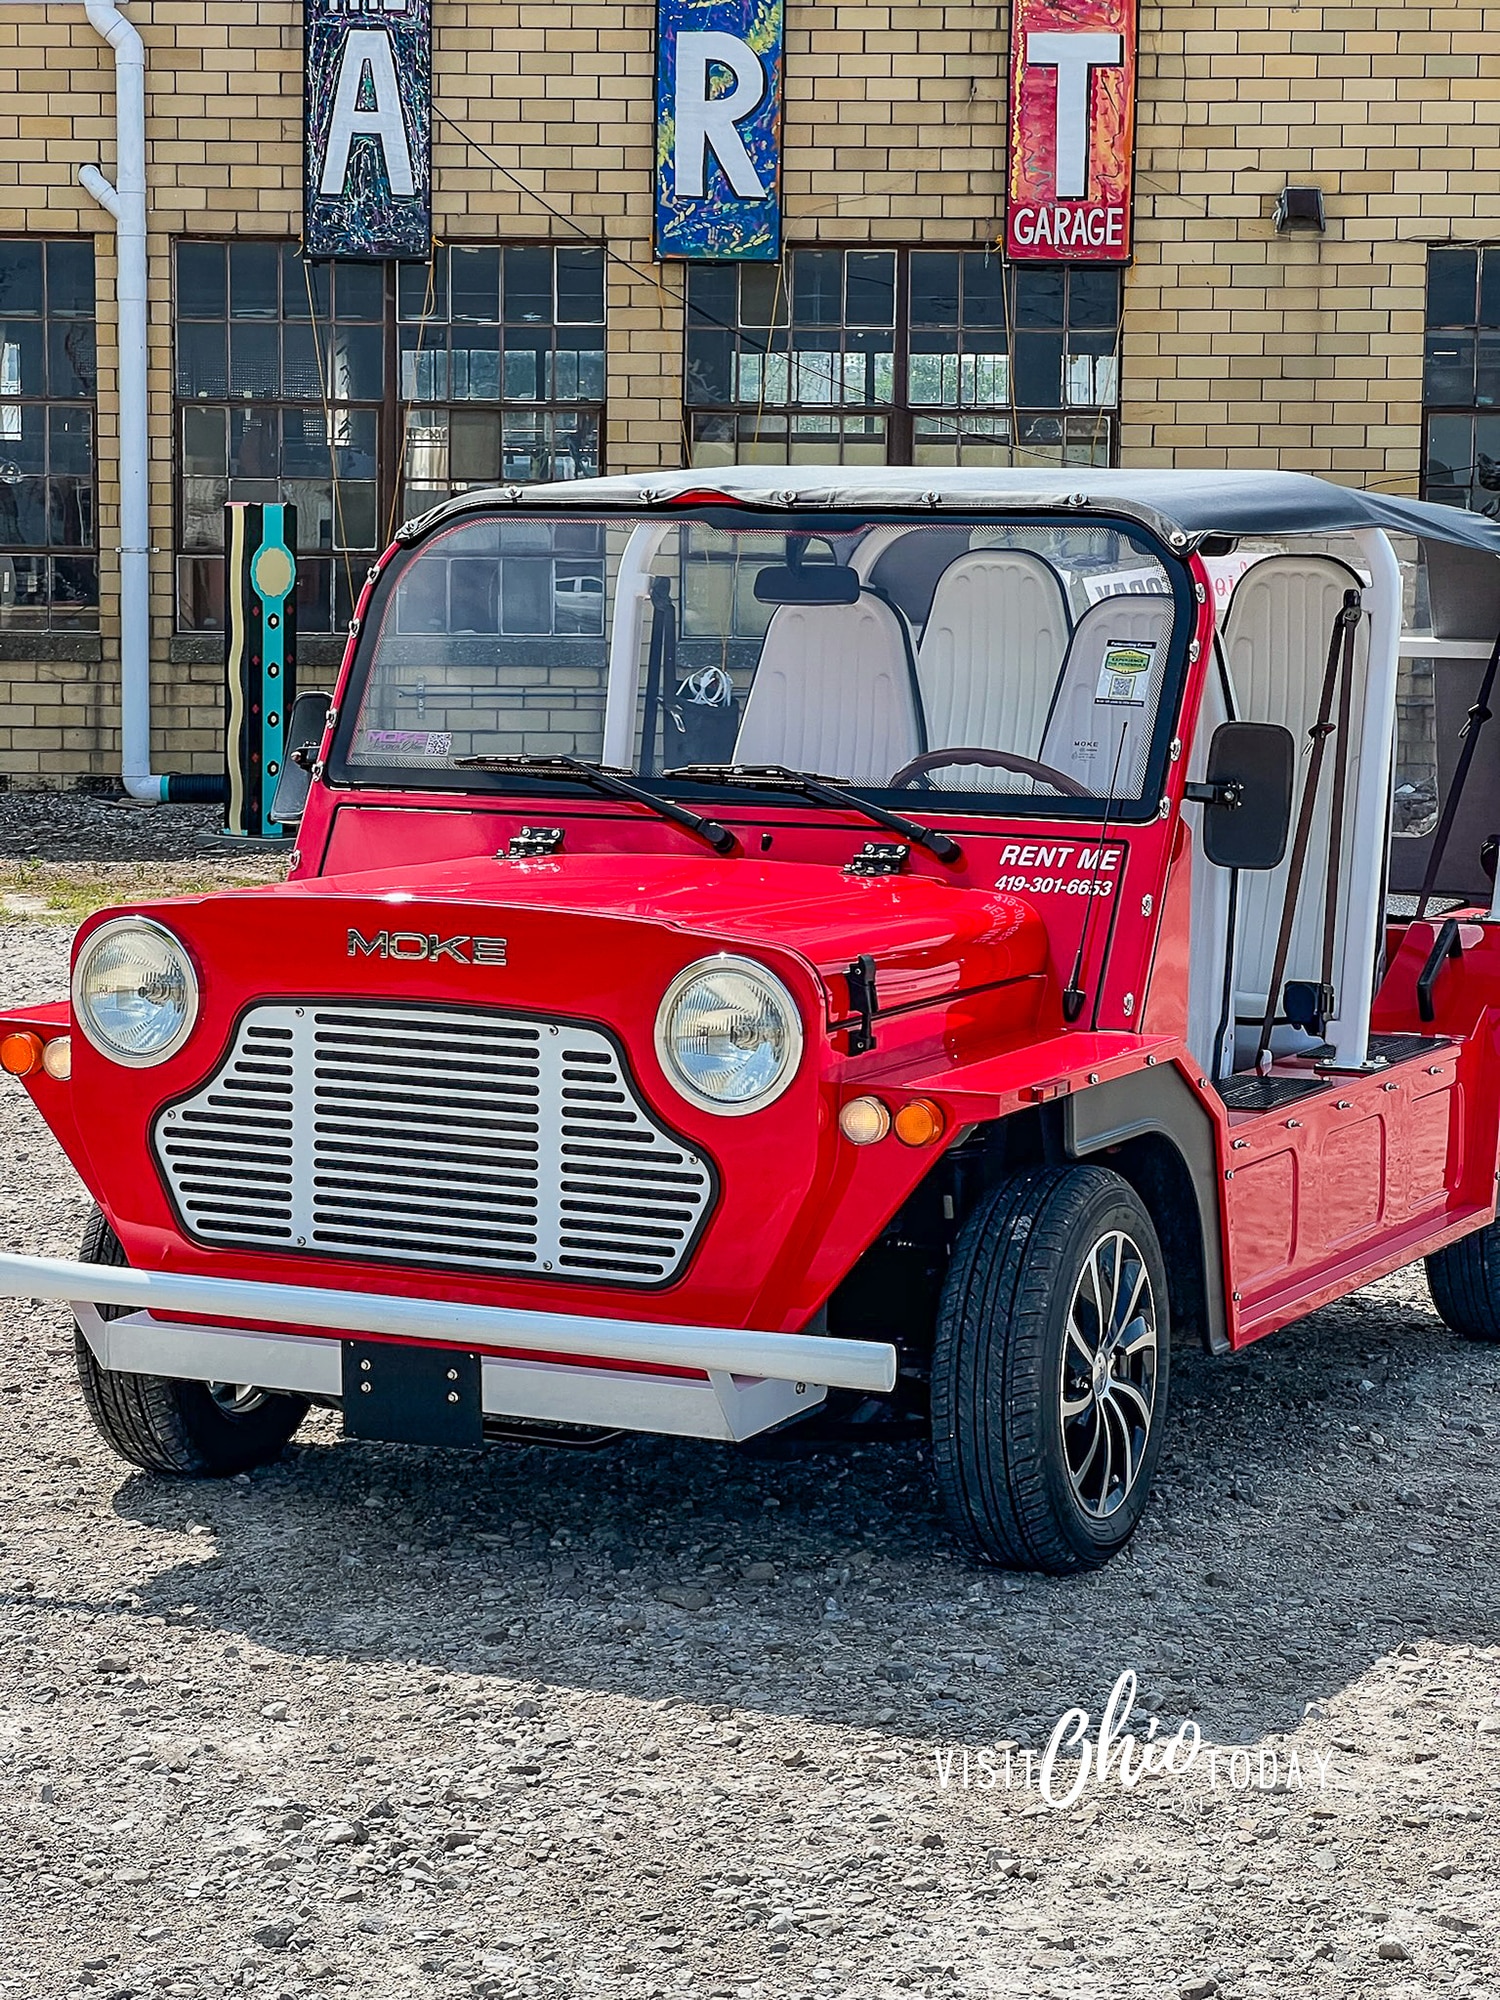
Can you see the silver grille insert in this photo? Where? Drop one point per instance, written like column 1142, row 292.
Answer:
column 433, row 1136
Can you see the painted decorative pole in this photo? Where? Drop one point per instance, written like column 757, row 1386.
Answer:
column 260, row 681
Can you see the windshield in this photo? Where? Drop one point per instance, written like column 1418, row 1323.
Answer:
column 925, row 661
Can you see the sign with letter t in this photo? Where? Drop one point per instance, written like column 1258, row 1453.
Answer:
column 1072, row 131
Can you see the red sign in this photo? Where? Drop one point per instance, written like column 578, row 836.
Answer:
column 1072, row 131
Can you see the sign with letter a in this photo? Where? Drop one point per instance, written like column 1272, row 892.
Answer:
column 718, row 128
column 368, row 110
column 1072, row 131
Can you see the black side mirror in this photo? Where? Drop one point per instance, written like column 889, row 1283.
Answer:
column 1248, row 794
column 304, row 734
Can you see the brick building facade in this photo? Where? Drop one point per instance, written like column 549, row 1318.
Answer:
column 544, row 340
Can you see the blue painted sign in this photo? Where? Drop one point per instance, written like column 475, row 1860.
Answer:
column 718, row 128
column 367, row 98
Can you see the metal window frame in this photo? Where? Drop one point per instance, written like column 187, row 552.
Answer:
column 45, row 551
column 900, row 414
column 392, row 412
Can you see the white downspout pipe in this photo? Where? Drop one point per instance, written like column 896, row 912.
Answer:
column 126, row 202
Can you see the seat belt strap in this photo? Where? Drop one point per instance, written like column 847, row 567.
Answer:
column 1336, row 814
column 1340, row 640
column 1468, row 738
column 661, row 667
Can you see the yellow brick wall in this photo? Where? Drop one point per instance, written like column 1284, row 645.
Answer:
column 1240, row 346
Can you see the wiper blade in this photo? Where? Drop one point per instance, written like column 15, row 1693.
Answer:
column 719, row 838
column 811, row 785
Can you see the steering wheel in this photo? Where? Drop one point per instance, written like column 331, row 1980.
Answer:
column 995, row 760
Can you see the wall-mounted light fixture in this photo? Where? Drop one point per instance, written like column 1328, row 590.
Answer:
column 1300, row 208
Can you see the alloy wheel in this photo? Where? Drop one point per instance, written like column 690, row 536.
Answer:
column 1107, row 1391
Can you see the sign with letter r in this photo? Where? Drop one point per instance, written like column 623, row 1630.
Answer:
column 718, row 128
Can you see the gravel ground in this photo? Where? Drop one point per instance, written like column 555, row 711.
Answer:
column 669, row 1720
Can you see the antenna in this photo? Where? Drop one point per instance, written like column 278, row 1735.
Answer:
column 1073, row 994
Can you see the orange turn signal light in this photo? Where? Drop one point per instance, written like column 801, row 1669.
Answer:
column 20, row 1053
column 919, row 1123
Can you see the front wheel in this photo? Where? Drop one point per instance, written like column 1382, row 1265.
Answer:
column 202, row 1429
column 1049, row 1376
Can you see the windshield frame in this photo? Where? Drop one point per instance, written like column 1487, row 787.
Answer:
column 705, row 794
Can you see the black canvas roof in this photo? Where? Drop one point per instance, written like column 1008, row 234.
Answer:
column 1180, row 507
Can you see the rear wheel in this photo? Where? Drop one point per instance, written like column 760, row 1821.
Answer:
column 1049, row 1380
column 1464, row 1281
column 201, row 1429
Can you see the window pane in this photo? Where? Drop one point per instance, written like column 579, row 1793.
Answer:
column 21, row 278
column 422, row 289
column 1038, row 366
column 253, row 272
column 934, row 288
column 580, row 287
column 21, row 349
column 763, row 295
column 359, row 291
column 254, row 444
column 1449, row 374
column 528, row 286
column 817, row 287
column 301, row 370
column 1451, row 281
column 356, row 364
column 71, row 441
column 711, row 294
column 1039, row 295
column 201, row 367
column 254, row 359
column 870, row 277
column 202, row 286
column 984, row 289
column 70, row 279
column 1093, row 297
column 474, row 445
column 474, row 280
column 75, row 594
column 23, row 588
column 70, row 358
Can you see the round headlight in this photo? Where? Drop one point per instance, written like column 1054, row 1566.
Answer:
column 135, row 995
column 729, row 1035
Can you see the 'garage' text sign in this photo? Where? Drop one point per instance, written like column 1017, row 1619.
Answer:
column 368, row 103
column 1072, row 130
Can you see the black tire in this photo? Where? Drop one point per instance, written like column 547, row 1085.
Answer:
column 1018, row 1478
column 1464, row 1281
column 170, row 1426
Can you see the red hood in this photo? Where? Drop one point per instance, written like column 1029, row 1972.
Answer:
column 929, row 938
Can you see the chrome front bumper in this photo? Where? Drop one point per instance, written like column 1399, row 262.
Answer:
column 741, row 1382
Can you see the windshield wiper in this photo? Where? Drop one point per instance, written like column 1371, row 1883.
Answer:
column 719, row 838
column 776, row 777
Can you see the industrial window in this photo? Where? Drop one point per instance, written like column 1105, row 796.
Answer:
column 924, row 357
column 365, row 393
column 1461, row 384
column 49, row 567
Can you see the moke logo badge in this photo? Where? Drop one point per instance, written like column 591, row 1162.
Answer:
column 427, row 947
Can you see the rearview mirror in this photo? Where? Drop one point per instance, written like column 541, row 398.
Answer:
column 821, row 583
column 1247, row 799
column 303, row 735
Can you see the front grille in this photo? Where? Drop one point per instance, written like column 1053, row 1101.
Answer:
column 433, row 1136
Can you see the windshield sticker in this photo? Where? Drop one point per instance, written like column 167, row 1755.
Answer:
column 1125, row 673
column 410, row 742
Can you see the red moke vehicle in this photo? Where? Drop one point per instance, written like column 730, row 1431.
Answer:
column 849, row 950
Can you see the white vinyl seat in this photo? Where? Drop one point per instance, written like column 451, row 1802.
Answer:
column 1101, row 738
column 988, row 664
column 1276, row 640
column 833, row 692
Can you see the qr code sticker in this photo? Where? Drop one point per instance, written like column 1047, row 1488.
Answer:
column 1124, row 672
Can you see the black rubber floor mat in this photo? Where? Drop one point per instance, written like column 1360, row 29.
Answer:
column 1399, row 1048
column 1266, row 1093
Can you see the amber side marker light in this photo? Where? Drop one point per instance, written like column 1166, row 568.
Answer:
column 57, row 1058
column 919, row 1123
column 20, row 1054
column 864, row 1120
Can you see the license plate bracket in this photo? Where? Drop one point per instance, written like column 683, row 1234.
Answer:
column 396, row 1393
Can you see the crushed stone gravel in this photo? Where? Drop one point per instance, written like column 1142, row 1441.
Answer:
column 674, row 1720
